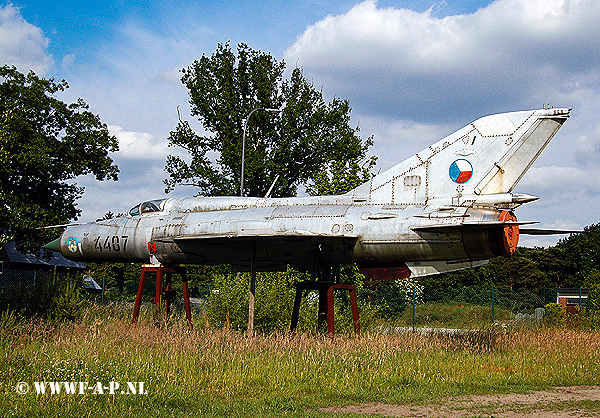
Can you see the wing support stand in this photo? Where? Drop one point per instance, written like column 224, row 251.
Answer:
column 168, row 295
column 326, row 293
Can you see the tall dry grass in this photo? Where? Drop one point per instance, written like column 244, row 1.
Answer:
column 219, row 372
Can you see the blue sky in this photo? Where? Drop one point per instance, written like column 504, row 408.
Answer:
column 414, row 71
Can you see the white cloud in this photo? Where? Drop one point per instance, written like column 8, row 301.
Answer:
column 21, row 43
column 511, row 53
column 563, row 183
column 138, row 182
column 139, row 145
column 587, row 147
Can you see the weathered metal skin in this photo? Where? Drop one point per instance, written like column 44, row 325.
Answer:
column 446, row 208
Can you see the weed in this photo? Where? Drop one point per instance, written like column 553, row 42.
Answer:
column 221, row 372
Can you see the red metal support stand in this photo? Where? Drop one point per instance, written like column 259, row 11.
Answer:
column 328, row 289
column 168, row 294
column 353, row 304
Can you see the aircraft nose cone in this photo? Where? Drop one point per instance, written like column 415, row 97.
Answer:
column 54, row 245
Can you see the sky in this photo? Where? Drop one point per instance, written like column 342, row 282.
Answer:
column 414, row 71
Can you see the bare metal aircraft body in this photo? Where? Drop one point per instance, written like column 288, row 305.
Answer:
column 446, row 208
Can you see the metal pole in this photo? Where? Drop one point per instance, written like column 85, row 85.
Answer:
column 493, row 303
column 269, row 110
column 103, row 278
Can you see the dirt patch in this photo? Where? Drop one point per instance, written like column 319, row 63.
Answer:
column 560, row 402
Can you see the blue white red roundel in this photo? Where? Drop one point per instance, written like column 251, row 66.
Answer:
column 461, row 171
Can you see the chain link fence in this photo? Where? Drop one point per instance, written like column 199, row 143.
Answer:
column 23, row 279
column 403, row 304
column 411, row 305
column 33, row 292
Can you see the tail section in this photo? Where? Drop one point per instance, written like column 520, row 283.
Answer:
column 488, row 156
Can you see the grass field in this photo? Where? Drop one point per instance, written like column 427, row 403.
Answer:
column 208, row 372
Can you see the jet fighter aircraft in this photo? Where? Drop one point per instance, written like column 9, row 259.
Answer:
column 446, row 208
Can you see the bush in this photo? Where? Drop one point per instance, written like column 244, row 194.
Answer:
column 592, row 304
column 68, row 303
column 392, row 297
column 228, row 304
column 555, row 314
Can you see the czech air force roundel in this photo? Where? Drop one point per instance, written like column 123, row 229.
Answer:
column 461, row 171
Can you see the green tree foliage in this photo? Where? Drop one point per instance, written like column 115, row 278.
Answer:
column 592, row 281
column 573, row 262
column 44, row 145
column 310, row 142
column 581, row 255
column 53, row 295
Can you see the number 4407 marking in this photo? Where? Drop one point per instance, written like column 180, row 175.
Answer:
column 111, row 243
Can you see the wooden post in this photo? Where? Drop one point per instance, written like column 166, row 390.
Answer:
column 168, row 295
column 186, row 298
column 252, row 290
column 159, row 274
column 296, row 311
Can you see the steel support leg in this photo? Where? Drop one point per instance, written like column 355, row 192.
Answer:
column 169, row 293
column 138, row 298
column 354, row 305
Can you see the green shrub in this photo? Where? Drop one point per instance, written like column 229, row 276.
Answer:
column 228, row 304
column 592, row 304
column 392, row 297
column 555, row 314
column 68, row 303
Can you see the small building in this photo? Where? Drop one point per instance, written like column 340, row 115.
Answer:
column 572, row 299
column 19, row 269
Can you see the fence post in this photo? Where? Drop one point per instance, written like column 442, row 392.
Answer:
column 413, row 303
column 580, row 299
column 493, row 304
column 103, row 277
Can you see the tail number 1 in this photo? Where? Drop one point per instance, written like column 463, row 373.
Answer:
column 111, row 243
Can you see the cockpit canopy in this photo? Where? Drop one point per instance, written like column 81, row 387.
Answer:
column 148, row 207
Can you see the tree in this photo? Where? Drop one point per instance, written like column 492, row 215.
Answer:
column 581, row 254
column 310, row 142
column 44, row 145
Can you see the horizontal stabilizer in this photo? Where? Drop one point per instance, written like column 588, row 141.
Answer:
column 466, row 226
column 533, row 231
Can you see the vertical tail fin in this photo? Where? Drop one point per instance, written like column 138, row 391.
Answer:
column 488, row 156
